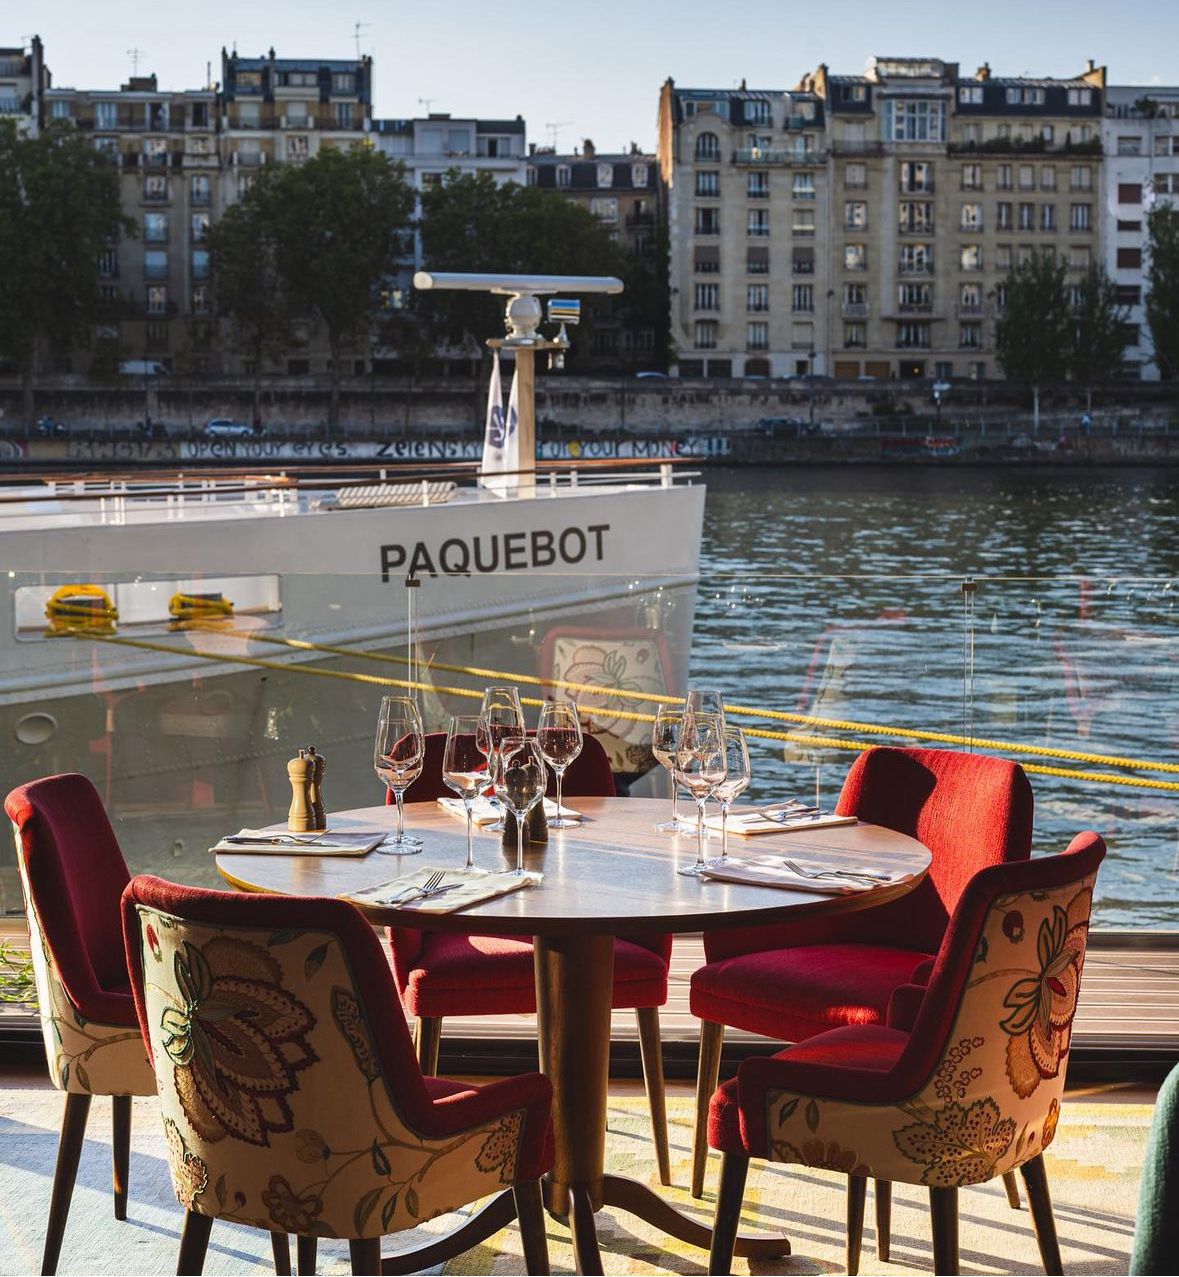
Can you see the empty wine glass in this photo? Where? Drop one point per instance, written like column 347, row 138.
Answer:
column 736, row 781
column 520, row 779
column 464, row 768
column 398, row 754
column 501, row 716
column 559, row 736
column 705, row 701
column 665, row 741
column 700, row 767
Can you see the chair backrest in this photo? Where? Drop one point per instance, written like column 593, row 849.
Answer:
column 1156, row 1233
column 971, row 812
column 288, row 1085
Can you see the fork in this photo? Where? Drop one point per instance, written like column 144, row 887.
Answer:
column 427, row 888
column 796, row 868
column 783, row 814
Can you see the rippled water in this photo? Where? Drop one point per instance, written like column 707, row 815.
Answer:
column 839, row 593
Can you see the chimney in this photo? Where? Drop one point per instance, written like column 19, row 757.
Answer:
column 1090, row 65
column 984, row 72
column 588, row 150
column 531, row 148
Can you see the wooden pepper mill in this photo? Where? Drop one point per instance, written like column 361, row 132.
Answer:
column 301, row 771
column 315, row 795
column 536, row 829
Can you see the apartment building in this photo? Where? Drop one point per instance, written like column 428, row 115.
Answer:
column 1140, row 137
column 861, row 226
column 24, row 77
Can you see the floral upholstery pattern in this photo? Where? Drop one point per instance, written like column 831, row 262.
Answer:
column 993, row 1099
column 277, row 1110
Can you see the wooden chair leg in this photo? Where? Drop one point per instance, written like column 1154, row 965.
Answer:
column 194, row 1241
column 1035, row 1180
column 734, row 1169
column 280, row 1244
column 305, row 1248
column 121, row 1151
column 429, row 1038
column 712, row 1038
column 1011, row 1184
column 882, row 1191
column 366, row 1256
column 530, row 1213
column 943, row 1205
column 651, row 1049
column 857, row 1192
column 69, row 1149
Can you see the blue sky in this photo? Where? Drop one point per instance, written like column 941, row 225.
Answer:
column 592, row 69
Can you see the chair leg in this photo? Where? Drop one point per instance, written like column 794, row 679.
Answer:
column 530, row 1213
column 429, row 1038
column 69, row 1149
column 882, row 1191
column 712, row 1038
column 366, row 1256
column 305, row 1254
column 651, row 1049
column 194, row 1241
column 280, row 1244
column 121, row 1151
column 1035, row 1181
column 943, row 1205
column 1011, row 1184
column 734, row 1169
column 857, row 1192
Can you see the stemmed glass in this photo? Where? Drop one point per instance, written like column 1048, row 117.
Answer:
column 520, row 778
column 736, row 781
column 665, row 742
column 700, row 767
column 464, row 769
column 501, row 716
column 558, row 734
column 398, row 754
column 705, row 701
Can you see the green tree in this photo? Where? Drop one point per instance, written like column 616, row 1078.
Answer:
column 1162, row 287
column 1099, row 335
column 59, row 209
column 1035, row 330
column 339, row 221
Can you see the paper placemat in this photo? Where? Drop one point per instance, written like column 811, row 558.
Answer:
column 769, row 871
column 333, row 842
column 466, row 887
column 486, row 811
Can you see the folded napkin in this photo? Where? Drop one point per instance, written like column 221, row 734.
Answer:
column 755, row 822
column 333, row 842
column 466, row 887
column 486, row 811
column 769, row 871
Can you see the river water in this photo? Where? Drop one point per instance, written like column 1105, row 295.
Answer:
column 839, row 593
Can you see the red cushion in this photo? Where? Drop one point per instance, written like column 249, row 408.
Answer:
column 494, row 975
column 792, row 994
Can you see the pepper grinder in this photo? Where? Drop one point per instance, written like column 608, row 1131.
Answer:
column 315, row 789
column 299, row 817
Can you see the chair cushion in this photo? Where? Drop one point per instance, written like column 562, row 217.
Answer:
column 493, row 975
column 792, row 994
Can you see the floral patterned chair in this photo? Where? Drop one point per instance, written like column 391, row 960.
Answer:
column 72, row 872
column 291, row 1096
column 963, row 1083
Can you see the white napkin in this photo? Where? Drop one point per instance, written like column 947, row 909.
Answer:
column 467, row 887
column 769, row 871
column 485, row 811
column 332, row 842
column 753, row 822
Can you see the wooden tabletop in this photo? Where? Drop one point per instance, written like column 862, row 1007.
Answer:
column 611, row 874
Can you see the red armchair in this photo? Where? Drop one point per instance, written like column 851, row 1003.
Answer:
column 964, row 1082
column 792, row 981
column 290, row 1094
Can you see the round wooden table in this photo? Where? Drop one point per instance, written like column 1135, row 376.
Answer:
column 611, row 875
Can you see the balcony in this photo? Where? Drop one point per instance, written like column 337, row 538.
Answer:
column 855, row 310
column 914, row 308
column 857, row 148
column 776, row 157
column 968, row 309
column 916, row 268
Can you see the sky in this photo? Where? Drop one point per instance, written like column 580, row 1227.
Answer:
column 590, row 69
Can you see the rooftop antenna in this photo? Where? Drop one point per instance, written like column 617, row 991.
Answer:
column 554, row 128
column 356, row 32
column 427, row 103
column 135, row 55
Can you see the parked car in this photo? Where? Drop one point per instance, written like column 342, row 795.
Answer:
column 142, row 368
column 227, row 428
column 651, row 375
column 48, row 426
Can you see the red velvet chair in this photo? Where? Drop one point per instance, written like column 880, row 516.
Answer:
column 288, row 1086
column 793, row 981
column 72, row 872
column 962, row 1084
column 440, row 974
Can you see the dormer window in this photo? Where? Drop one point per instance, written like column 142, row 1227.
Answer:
column 638, row 176
column 606, row 175
column 563, row 174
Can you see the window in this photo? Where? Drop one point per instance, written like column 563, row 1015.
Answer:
column 802, row 186
column 1078, row 257
column 1131, row 145
column 157, row 299
column 1004, row 177
column 855, row 336
column 757, row 111
column 802, row 222
column 200, row 264
column 706, row 334
column 1124, row 224
column 1048, row 133
column 708, row 183
column 855, row 257
column 970, row 94
column 1129, row 258
column 1081, row 178
column 108, row 263
column 639, row 176
column 1129, row 193
column 916, row 259
column 155, row 227
column 1003, row 257
column 707, row 259
column 199, row 145
column 1081, row 217
column 605, row 208
column 155, row 187
column 757, row 335
column 1025, row 97
column 155, row 150
column 1080, row 97
column 970, row 336
column 296, row 148
column 198, row 115
column 971, row 219
column 1047, row 217
column 757, row 297
column 605, row 176
column 758, row 186
column 1024, row 254
column 1003, row 219
column 1131, row 334
column 1076, row 295
column 972, row 133
column 1000, row 296
column 855, row 176
column 1027, row 177
column 912, row 336
column 802, row 297
column 759, row 221
column 802, row 337
column 802, row 261
column 757, row 260
column 1027, row 217
column 61, row 109
column 915, row 296
column 707, row 146
column 431, row 181
column 1166, row 145
column 108, row 146
column 707, row 221
column 1129, row 294
column 200, row 298
column 1047, row 178
column 970, row 297
column 914, row 120
column 853, row 93
column 707, row 297
column 972, row 178
column 106, row 115
column 564, row 174
column 343, row 82
column 855, row 294
column 916, row 217
column 855, row 215
column 343, row 115
column 200, row 227
column 916, row 176
column 244, row 182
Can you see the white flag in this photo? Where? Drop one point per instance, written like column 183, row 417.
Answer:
column 493, row 432
column 512, row 429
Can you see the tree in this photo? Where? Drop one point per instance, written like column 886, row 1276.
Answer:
column 1099, row 336
column 59, row 210
column 1034, row 333
column 1162, row 287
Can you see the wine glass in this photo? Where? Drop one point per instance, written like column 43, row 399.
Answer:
column 520, row 779
column 501, row 716
column 700, row 767
column 398, row 754
column 736, row 781
column 665, row 741
column 559, row 736
column 464, row 769
column 705, row 701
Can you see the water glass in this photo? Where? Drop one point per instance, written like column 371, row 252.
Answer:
column 520, row 781
column 398, row 754
column 464, row 769
column 559, row 736
column 700, row 767
column 736, row 781
column 665, row 742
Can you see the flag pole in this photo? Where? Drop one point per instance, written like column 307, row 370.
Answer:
column 526, row 423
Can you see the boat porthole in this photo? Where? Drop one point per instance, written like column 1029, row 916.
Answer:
column 35, row 729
